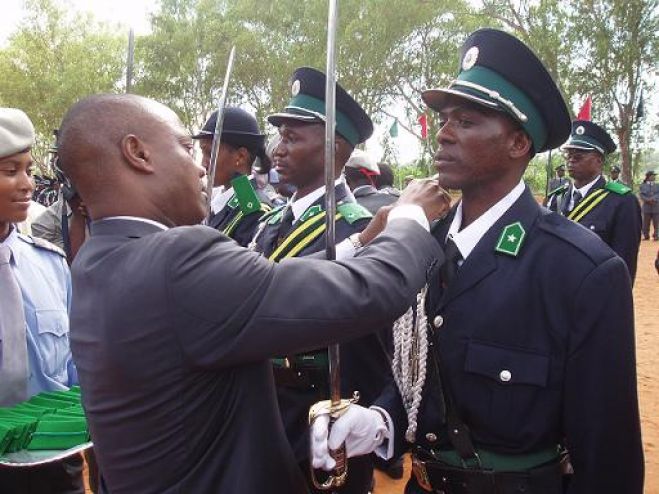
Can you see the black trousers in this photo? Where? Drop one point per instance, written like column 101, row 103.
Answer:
column 360, row 476
column 62, row 477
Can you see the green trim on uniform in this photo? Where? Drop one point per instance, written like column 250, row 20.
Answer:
column 500, row 462
column 344, row 125
column 511, row 239
column 353, row 211
column 274, row 216
column 492, row 81
column 617, row 188
column 560, row 190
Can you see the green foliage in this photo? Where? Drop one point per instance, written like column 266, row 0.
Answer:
column 53, row 60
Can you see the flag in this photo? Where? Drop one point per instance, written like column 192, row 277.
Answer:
column 584, row 113
column 640, row 110
column 423, row 122
column 393, row 130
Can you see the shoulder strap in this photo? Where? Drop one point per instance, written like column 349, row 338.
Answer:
column 353, row 211
column 40, row 243
column 617, row 188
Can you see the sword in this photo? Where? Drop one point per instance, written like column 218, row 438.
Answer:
column 217, row 135
column 336, row 406
column 129, row 60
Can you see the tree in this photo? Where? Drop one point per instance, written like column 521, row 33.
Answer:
column 54, row 59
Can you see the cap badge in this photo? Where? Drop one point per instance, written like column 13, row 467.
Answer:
column 295, row 88
column 580, row 130
column 470, row 58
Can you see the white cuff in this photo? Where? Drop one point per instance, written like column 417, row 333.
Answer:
column 386, row 449
column 410, row 212
column 345, row 250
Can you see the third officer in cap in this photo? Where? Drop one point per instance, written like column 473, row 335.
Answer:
column 235, row 212
column 608, row 209
column 522, row 345
column 557, row 187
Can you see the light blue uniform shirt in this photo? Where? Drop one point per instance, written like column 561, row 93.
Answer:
column 45, row 283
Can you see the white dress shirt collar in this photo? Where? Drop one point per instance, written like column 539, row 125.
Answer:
column 137, row 218
column 299, row 206
column 467, row 238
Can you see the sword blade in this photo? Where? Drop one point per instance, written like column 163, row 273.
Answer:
column 330, row 196
column 217, row 134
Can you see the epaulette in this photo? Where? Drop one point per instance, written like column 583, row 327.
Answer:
column 576, row 235
column 40, row 243
column 560, row 190
column 617, row 188
column 353, row 211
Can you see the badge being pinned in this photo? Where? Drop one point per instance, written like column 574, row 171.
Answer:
column 511, row 239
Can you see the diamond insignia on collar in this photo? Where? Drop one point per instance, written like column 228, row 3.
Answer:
column 470, row 58
column 511, row 239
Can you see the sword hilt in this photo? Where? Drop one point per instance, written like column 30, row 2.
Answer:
column 339, row 474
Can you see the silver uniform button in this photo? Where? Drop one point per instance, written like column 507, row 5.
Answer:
column 431, row 438
column 438, row 321
column 505, row 375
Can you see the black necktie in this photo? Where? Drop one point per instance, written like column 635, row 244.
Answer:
column 576, row 198
column 449, row 269
column 286, row 224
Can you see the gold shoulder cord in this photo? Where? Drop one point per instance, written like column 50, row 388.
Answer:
column 303, row 235
column 587, row 205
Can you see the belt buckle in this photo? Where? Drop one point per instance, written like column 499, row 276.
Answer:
column 421, row 474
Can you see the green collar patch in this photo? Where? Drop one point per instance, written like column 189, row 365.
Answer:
column 511, row 239
column 617, row 188
column 274, row 216
column 314, row 210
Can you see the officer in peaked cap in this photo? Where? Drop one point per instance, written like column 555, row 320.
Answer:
column 608, row 209
column 236, row 213
column 298, row 229
column 502, row 383
column 615, row 174
column 556, row 187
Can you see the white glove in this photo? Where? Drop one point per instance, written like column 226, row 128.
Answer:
column 362, row 430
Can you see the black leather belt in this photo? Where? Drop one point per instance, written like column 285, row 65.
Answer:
column 440, row 478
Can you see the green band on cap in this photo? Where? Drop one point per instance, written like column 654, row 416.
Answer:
column 493, row 82
column 344, row 125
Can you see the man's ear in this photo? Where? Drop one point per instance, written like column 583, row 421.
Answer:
column 136, row 154
column 520, row 144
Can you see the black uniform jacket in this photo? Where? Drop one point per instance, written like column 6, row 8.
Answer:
column 558, row 318
column 172, row 332
column 365, row 361
column 244, row 230
column 372, row 199
column 617, row 220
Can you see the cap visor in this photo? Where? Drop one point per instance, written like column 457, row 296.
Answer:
column 435, row 98
column 203, row 134
column 277, row 119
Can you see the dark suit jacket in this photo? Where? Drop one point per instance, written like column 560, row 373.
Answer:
column 559, row 318
column 617, row 221
column 372, row 199
column 172, row 332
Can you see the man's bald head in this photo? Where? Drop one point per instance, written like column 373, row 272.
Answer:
column 113, row 149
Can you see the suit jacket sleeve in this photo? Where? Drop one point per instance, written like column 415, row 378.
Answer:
column 233, row 306
column 626, row 235
column 601, row 405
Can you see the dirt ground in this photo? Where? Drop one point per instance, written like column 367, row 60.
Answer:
column 646, row 300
